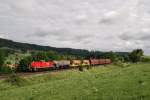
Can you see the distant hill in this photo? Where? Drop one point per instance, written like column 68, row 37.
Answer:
column 12, row 45
column 9, row 44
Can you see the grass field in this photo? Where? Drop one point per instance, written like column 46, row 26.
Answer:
column 100, row 83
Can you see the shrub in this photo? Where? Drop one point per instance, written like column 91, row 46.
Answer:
column 24, row 64
column 2, row 59
column 88, row 67
column 145, row 59
column 121, row 64
column 6, row 70
column 81, row 68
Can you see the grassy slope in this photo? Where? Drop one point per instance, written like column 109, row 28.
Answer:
column 102, row 83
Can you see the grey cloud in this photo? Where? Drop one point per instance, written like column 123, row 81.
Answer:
column 108, row 18
column 126, row 37
column 82, row 37
column 41, row 34
column 74, row 38
column 62, row 35
column 132, row 39
column 89, row 24
column 143, row 36
column 47, row 33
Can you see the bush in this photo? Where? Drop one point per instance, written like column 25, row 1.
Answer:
column 24, row 64
column 145, row 59
column 88, row 67
column 6, row 70
column 81, row 68
column 2, row 59
column 121, row 64
column 14, row 79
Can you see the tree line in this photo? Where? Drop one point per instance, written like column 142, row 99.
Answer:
column 135, row 56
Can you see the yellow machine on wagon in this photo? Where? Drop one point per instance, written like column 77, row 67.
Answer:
column 75, row 63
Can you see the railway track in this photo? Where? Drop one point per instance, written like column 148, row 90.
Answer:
column 26, row 74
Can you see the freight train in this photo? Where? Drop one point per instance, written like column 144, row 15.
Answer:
column 63, row 64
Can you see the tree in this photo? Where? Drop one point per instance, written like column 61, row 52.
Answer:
column 2, row 59
column 136, row 55
column 24, row 64
column 38, row 56
column 113, row 56
column 51, row 55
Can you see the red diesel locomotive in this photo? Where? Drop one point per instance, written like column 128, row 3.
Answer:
column 42, row 65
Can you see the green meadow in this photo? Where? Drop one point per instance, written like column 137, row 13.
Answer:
column 109, row 82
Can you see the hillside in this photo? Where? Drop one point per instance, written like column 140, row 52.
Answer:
column 100, row 83
column 12, row 46
column 9, row 44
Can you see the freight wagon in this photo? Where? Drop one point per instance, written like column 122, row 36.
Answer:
column 102, row 61
column 108, row 61
column 94, row 62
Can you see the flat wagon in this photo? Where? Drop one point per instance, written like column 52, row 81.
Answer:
column 86, row 63
column 75, row 63
column 62, row 64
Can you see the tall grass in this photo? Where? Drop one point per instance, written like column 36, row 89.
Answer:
column 100, row 83
column 15, row 80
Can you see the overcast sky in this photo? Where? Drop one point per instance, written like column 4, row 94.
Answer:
column 105, row 25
